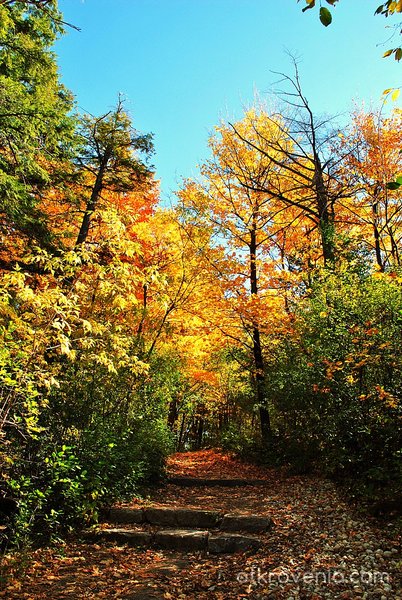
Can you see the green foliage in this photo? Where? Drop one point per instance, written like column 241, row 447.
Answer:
column 60, row 488
column 51, row 494
column 395, row 185
column 336, row 386
column 111, row 142
column 109, row 159
column 36, row 129
column 241, row 440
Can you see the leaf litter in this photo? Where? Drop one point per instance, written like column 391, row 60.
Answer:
column 320, row 547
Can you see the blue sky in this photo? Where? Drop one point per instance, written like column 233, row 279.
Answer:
column 183, row 65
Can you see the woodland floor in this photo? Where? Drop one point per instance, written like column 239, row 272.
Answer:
column 320, row 547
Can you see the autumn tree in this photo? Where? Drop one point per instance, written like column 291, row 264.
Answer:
column 374, row 159
column 237, row 203
column 173, row 288
column 310, row 179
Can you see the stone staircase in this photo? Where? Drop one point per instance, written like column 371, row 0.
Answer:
column 184, row 529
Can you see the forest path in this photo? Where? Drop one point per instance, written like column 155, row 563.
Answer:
column 318, row 548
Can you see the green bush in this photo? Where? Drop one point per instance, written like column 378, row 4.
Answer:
column 62, row 488
column 335, row 386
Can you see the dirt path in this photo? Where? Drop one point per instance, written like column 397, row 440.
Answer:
column 318, row 548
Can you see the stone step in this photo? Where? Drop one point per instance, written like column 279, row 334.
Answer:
column 250, row 523
column 196, row 482
column 190, row 518
column 182, row 539
column 185, row 540
column 183, row 517
column 125, row 515
column 131, row 537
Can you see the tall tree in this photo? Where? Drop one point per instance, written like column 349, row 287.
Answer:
column 36, row 131
column 310, row 179
column 110, row 161
column 236, row 203
column 373, row 159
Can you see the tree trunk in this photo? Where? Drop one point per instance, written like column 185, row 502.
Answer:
column 394, row 247
column 265, row 421
column 259, row 367
column 376, row 233
column 200, row 432
column 326, row 224
column 92, row 202
column 260, row 398
column 172, row 414
column 180, row 440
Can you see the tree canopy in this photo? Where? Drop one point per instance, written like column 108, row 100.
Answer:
column 261, row 313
